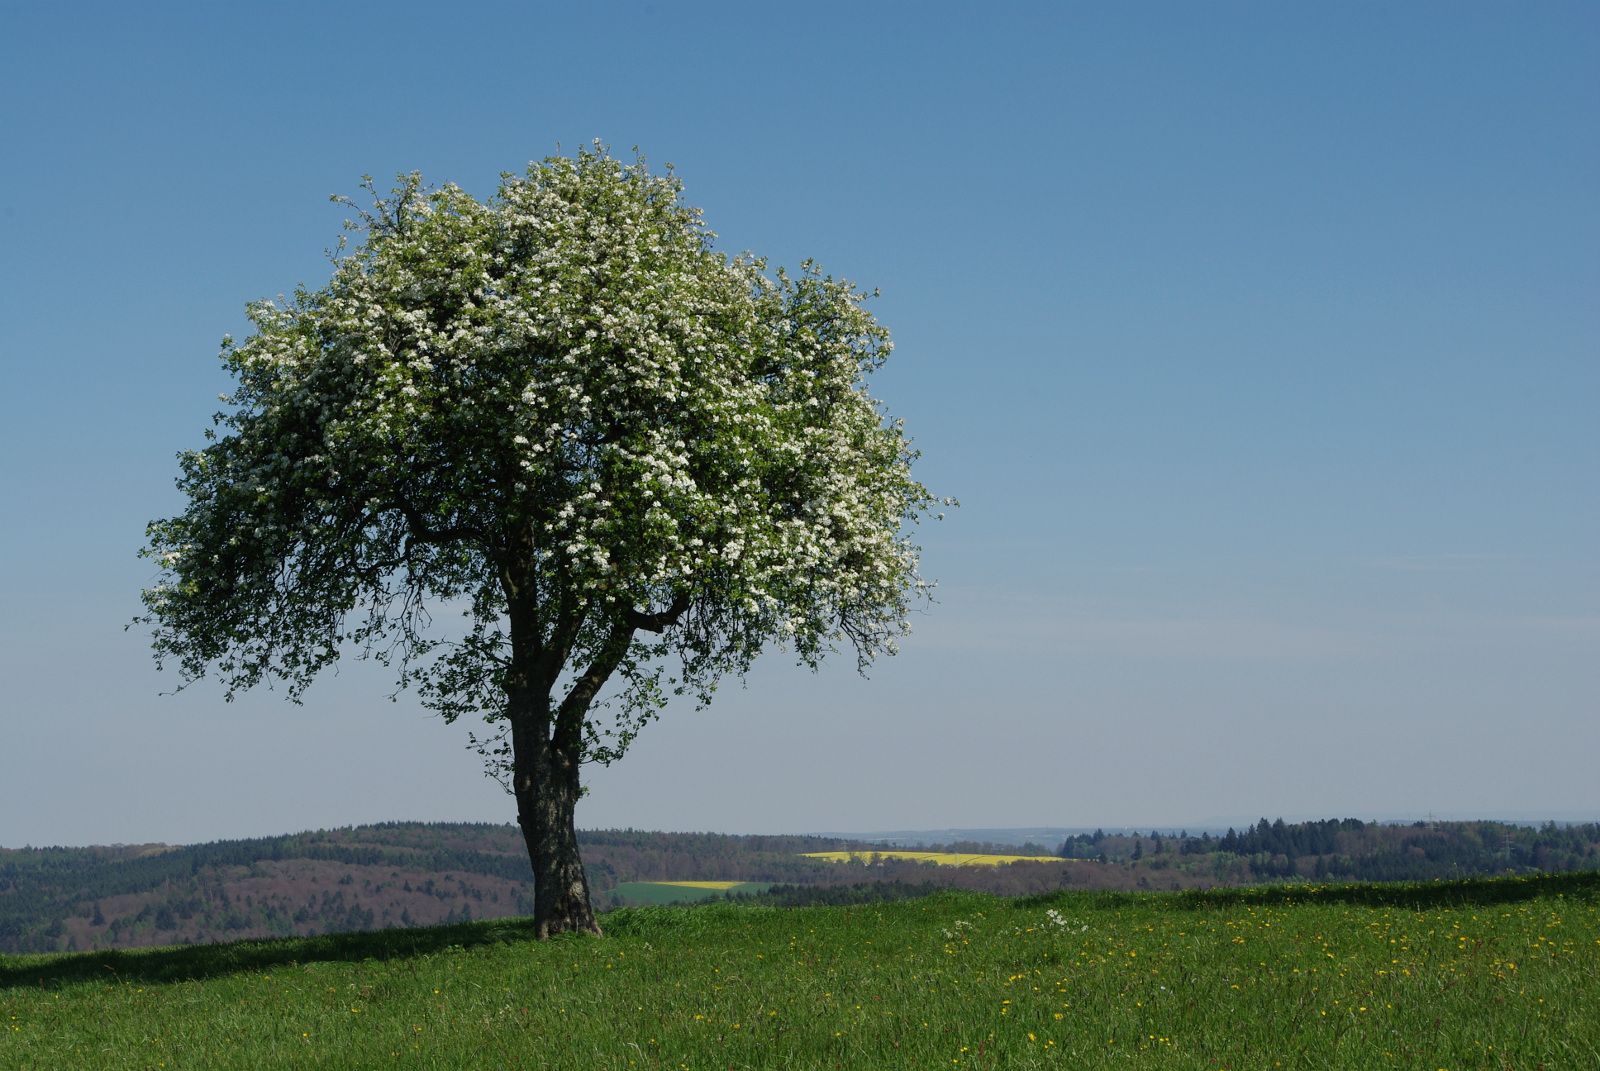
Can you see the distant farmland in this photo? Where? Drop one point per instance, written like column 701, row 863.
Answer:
column 402, row 875
column 936, row 858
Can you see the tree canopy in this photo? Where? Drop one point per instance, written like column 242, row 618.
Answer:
column 560, row 419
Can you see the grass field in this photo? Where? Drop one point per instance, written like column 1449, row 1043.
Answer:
column 684, row 892
column 1478, row 974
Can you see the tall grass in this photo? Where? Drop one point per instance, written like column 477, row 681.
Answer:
column 1485, row 974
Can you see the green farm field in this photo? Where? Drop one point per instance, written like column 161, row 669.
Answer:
column 666, row 892
column 1488, row 973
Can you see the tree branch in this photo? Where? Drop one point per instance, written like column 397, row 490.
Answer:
column 569, row 716
column 569, row 619
column 421, row 533
column 656, row 623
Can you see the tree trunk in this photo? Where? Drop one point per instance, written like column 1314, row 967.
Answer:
column 546, row 785
column 547, row 753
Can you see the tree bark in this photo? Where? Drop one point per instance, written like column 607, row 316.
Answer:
column 547, row 754
column 547, row 789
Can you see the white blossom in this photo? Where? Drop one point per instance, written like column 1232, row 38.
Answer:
column 511, row 403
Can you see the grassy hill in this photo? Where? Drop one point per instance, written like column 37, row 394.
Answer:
column 398, row 875
column 1475, row 974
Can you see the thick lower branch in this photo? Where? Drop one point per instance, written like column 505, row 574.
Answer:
column 656, row 623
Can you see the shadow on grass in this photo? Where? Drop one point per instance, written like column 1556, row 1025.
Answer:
column 178, row 963
column 1418, row 895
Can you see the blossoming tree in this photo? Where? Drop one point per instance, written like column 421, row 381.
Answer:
column 622, row 463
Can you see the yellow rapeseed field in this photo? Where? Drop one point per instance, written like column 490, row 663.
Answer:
column 721, row 886
column 941, row 858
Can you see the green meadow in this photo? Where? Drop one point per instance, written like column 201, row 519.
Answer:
column 666, row 892
column 1489, row 973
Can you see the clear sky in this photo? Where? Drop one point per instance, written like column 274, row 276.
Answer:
column 1260, row 343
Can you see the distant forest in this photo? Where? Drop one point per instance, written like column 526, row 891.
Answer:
column 411, row 874
column 333, row 881
column 1352, row 850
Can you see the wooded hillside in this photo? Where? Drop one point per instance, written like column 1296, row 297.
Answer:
column 401, row 874
column 1352, row 850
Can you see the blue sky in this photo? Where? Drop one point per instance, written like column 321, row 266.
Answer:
column 1259, row 342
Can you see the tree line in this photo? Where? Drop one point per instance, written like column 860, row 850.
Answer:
column 1350, row 849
